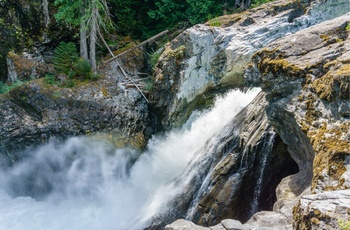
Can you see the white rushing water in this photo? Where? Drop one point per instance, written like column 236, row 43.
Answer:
column 87, row 184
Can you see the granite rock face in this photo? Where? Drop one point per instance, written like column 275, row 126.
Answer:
column 305, row 80
column 205, row 60
column 34, row 113
column 327, row 210
column 306, row 76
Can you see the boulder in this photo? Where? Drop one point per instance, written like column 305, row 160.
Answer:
column 26, row 67
column 182, row 224
column 305, row 102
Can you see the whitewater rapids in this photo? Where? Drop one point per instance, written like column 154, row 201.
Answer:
column 88, row 184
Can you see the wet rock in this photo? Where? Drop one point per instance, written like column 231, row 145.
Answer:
column 305, row 78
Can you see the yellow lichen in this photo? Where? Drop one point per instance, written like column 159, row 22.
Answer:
column 331, row 151
column 324, row 87
column 104, row 92
column 325, row 37
column 343, row 71
column 177, row 53
column 280, row 66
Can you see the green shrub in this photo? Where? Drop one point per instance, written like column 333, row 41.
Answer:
column 95, row 77
column 148, row 84
column 256, row 3
column 50, row 79
column 153, row 57
column 65, row 56
column 4, row 88
column 81, row 69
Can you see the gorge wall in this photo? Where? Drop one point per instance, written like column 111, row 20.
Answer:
column 289, row 147
column 305, row 78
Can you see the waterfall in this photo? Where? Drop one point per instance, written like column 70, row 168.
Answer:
column 266, row 151
column 84, row 183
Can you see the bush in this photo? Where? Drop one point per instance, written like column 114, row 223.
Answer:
column 66, row 60
column 81, row 69
column 65, row 56
column 50, row 79
column 148, row 84
column 4, row 88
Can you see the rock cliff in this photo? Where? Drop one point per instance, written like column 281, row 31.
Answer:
column 306, row 80
column 288, row 148
column 35, row 112
column 209, row 59
column 28, row 26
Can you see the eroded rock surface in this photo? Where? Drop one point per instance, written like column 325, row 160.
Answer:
column 35, row 112
column 305, row 75
column 205, row 60
column 325, row 210
column 306, row 80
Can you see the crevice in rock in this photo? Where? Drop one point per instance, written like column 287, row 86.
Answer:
column 281, row 165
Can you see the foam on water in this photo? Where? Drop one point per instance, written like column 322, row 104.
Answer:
column 87, row 184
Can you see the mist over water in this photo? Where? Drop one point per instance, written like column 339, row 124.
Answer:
column 88, row 184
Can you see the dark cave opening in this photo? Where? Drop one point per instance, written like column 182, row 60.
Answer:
column 280, row 165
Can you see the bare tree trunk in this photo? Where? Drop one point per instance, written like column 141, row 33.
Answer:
column 46, row 13
column 93, row 36
column 83, row 41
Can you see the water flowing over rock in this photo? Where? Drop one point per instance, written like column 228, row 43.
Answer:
column 306, row 80
column 288, row 148
column 220, row 180
column 205, row 59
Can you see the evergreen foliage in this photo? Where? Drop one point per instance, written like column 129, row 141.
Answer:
column 69, row 11
column 66, row 61
column 65, row 56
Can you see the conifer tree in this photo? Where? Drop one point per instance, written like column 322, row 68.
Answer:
column 92, row 17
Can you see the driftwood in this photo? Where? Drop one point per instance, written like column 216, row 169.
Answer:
column 139, row 45
column 132, row 81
